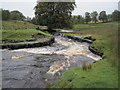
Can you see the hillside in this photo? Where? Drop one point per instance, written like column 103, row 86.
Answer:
column 15, row 24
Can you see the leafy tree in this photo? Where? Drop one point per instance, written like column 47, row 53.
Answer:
column 34, row 20
column 16, row 15
column 109, row 16
column 103, row 16
column 94, row 16
column 116, row 15
column 87, row 17
column 77, row 19
column 54, row 14
column 5, row 14
column 74, row 19
column 80, row 19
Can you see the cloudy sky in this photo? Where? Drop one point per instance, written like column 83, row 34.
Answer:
column 27, row 6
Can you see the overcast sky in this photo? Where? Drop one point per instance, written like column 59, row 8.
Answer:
column 27, row 6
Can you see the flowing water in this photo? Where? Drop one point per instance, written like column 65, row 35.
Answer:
column 37, row 67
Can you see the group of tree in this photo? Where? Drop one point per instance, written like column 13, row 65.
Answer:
column 13, row 15
column 58, row 15
column 102, row 16
column 54, row 14
column 94, row 16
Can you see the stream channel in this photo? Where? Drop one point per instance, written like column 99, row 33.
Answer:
column 37, row 67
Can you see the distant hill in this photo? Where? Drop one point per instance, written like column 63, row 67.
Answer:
column 15, row 24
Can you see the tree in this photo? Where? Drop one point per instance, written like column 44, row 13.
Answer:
column 34, row 21
column 116, row 15
column 28, row 19
column 74, row 19
column 5, row 14
column 16, row 15
column 103, row 16
column 87, row 17
column 54, row 14
column 94, row 16
column 80, row 19
column 109, row 16
column 77, row 19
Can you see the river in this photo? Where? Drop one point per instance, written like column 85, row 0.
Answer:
column 37, row 67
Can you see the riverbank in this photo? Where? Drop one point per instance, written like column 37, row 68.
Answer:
column 103, row 73
column 31, row 44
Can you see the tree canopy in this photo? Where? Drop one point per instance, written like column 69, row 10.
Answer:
column 94, row 15
column 12, row 15
column 103, row 16
column 5, row 14
column 54, row 14
column 116, row 15
column 87, row 17
column 16, row 15
column 77, row 19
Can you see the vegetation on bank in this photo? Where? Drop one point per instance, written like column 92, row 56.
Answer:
column 15, row 24
column 104, row 73
column 23, row 34
column 20, row 31
column 106, row 35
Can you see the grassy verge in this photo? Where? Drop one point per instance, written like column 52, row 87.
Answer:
column 104, row 73
column 22, row 35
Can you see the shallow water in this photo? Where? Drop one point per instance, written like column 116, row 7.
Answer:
column 37, row 67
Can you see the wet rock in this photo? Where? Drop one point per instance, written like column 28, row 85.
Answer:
column 90, row 38
column 78, row 60
column 39, row 43
column 95, row 51
column 32, row 39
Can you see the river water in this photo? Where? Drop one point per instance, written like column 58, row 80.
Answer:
column 37, row 67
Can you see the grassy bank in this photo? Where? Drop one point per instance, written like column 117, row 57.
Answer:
column 15, row 24
column 22, row 35
column 106, row 35
column 104, row 73
column 21, row 31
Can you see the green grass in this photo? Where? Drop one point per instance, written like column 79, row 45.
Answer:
column 21, row 30
column 106, row 35
column 104, row 73
column 15, row 24
column 22, row 35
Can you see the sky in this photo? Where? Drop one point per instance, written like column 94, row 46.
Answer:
column 27, row 6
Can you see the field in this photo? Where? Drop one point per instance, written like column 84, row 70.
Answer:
column 104, row 73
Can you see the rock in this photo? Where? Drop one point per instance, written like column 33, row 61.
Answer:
column 32, row 39
column 39, row 43
column 95, row 51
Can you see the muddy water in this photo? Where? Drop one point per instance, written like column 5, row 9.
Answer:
column 37, row 67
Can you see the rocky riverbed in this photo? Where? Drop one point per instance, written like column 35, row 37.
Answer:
column 37, row 67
